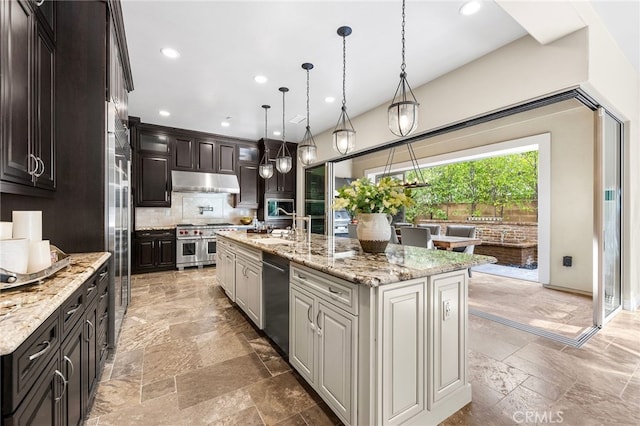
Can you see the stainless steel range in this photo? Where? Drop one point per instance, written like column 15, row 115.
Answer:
column 196, row 244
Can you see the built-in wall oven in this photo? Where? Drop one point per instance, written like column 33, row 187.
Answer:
column 196, row 244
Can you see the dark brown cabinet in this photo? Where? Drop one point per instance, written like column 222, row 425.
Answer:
column 206, row 156
column 226, row 158
column 154, row 250
column 183, row 153
column 154, row 181
column 27, row 53
column 73, row 369
column 52, row 377
column 248, row 177
column 281, row 185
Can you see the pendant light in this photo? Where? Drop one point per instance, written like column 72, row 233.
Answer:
column 403, row 111
column 283, row 159
column 344, row 136
column 266, row 167
column 307, row 149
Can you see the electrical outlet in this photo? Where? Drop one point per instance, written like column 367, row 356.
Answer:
column 446, row 309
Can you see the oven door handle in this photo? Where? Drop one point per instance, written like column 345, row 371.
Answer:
column 189, row 238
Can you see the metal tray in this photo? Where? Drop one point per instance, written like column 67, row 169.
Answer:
column 10, row 279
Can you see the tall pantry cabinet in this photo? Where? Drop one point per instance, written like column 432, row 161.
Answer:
column 58, row 70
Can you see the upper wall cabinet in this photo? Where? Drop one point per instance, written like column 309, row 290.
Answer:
column 160, row 149
column 27, row 64
column 281, row 184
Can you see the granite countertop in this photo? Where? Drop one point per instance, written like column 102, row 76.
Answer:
column 24, row 309
column 343, row 258
column 156, row 228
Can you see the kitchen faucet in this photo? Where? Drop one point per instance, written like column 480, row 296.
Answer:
column 295, row 219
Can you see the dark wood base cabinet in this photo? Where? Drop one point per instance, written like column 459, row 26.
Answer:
column 154, row 251
column 52, row 377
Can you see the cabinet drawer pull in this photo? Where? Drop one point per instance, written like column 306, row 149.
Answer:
column 93, row 330
column 73, row 311
column 39, row 3
column 302, row 277
column 103, row 316
column 64, row 383
column 334, row 291
column 103, row 274
column 103, row 295
column 90, row 289
column 68, row 360
column 309, row 315
column 46, row 344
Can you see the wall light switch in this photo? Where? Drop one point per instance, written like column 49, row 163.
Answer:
column 446, row 310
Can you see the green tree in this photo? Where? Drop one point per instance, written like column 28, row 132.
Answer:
column 502, row 181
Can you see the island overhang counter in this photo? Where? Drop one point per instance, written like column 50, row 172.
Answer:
column 381, row 337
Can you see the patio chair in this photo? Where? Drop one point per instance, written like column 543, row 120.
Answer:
column 462, row 231
column 417, row 237
column 435, row 229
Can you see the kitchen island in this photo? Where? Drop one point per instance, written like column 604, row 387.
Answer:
column 381, row 337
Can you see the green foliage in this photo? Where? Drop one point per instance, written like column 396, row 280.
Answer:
column 363, row 196
column 505, row 181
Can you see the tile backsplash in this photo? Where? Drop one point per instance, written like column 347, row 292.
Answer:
column 195, row 208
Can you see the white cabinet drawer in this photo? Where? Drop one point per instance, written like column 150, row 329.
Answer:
column 338, row 292
column 249, row 253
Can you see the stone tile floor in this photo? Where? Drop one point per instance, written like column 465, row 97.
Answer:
column 526, row 302
column 186, row 356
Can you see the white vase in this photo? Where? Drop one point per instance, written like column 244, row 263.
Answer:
column 374, row 231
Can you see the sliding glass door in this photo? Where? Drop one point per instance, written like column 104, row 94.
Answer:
column 608, row 218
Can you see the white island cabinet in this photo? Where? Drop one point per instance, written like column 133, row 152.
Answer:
column 402, row 362
column 381, row 338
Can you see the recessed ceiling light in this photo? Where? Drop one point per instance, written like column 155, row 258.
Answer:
column 260, row 79
column 170, row 53
column 470, row 7
column 276, row 133
column 225, row 124
column 329, row 99
column 164, row 113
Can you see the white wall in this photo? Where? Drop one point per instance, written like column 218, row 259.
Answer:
column 571, row 126
column 526, row 70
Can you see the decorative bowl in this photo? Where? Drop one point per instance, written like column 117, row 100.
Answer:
column 246, row 220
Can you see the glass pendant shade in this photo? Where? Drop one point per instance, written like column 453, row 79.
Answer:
column 283, row 159
column 344, row 136
column 403, row 111
column 284, row 163
column 265, row 169
column 307, row 149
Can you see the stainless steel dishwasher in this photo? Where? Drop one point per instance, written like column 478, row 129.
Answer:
column 275, row 288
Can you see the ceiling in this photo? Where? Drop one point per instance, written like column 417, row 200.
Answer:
column 223, row 45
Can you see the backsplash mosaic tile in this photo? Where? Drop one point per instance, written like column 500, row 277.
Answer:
column 194, row 208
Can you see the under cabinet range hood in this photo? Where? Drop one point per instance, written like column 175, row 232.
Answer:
column 204, row 182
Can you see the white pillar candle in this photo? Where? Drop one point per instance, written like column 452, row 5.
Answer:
column 27, row 224
column 14, row 255
column 39, row 256
column 6, row 230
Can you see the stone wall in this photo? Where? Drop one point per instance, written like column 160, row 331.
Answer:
column 512, row 243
